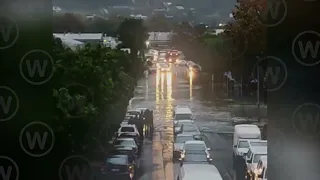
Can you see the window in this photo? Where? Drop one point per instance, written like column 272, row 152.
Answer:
column 124, row 143
column 183, row 139
column 195, row 147
column 196, row 157
column 127, row 129
column 190, row 128
column 243, row 144
column 256, row 157
column 117, row 161
column 183, row 116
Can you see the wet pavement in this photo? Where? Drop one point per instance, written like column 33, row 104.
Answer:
column 162, row 91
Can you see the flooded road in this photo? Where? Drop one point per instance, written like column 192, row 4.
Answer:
column 161, row 92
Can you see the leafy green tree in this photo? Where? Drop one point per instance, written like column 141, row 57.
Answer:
column 133, row 34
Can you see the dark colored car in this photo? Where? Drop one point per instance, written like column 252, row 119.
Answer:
column 134, row 136
column 172, row 56
column 129, row 151
column 118, row 167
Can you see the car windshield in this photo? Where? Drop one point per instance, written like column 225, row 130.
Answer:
column 256, row 157
column 124, row 143
column 183, row 139
column 259, row 143
column 183, row 116
column 129, row 135
column 127, row 129
column 195, row 147
column 117, row 161
column 195, row 158
column 243, row 144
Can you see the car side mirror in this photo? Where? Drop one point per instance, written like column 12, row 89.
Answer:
column 210, row 159
column 209, row 149
column 234, row 146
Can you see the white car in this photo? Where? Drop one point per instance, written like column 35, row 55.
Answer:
column 128, row 128
column 126, row 142
column 198, row 171
column 193, row 146
column 253, row 156
column 179, row 141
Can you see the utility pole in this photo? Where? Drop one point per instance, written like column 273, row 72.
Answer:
column 212, row 82
column 258, row 92
column 241, row 86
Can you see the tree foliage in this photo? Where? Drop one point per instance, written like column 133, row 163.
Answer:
column 93, row 86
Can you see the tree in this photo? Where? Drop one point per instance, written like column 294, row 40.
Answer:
column 133, row 34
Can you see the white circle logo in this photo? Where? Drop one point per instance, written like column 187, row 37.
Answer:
column 36, row 67
column 9, row 103
column 273, row 13
column 305, row 48
column 306, row 120
column 272, row 71
column 75, row 166
column 9, row 32
column 37, row 139
column 8, row 168
column 77, row 98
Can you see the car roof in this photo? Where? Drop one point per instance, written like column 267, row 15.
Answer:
column 256, row 140
column 183, row 110
column 259, row 149
column 201, row 171
column 128, row 125
column 194, row 142
column 184, row 135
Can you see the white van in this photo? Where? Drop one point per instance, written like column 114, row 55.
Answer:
column 183, row 113
column 198, row 171
column 242, row 134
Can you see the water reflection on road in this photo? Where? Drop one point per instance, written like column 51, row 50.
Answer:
column 164, row 90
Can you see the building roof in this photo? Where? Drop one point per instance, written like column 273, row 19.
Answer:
column 80, row 36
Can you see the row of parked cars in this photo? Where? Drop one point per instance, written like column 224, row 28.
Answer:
column 123, row 160
column 247, row 144
column 190, row 148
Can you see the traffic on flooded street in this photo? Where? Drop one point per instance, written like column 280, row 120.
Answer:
column 170, row 133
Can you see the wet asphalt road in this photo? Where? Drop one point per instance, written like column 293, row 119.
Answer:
column 162, row 91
